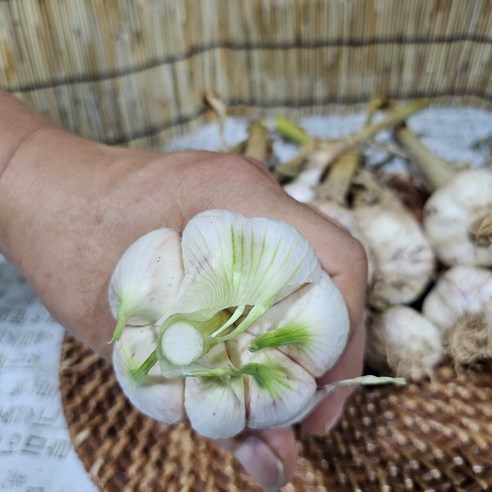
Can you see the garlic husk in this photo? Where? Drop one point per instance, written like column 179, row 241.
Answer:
column 145, row 282
column 458, row 219
column 403, row 259
column 404, row 340
column 153, row 395
column 460, row 304
column 344, row 217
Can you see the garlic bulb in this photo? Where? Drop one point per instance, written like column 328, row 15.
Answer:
column 460, row 304
column 458, row 215
column 404, row 340
column 248, row 322
column 458, row 219
column 344, row 217
column 403, row 258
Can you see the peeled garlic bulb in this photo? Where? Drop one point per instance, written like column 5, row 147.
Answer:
column 460, row 304
column 458, row 219
column 404, row 340
column 403, row 258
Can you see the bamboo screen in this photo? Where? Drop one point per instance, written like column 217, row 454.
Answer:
column 134, row 72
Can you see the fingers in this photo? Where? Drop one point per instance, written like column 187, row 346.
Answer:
column 269, row 455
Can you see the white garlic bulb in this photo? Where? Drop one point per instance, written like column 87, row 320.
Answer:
column 460, row 304
column 404, row 340
column 458, row 219
column 403, row 259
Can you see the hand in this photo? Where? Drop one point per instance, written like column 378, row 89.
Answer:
column 77, row 205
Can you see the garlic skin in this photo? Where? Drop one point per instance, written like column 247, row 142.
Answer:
column 404, row 340
column 303, row 187
column 145, row 282
column 254, row 321
column 154, row 395
column 460, row 304
column 458, row 219
column 403, row 258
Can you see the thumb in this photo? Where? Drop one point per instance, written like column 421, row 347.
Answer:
column 269, row 455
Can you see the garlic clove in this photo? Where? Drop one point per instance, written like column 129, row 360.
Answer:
column 409, row 343
column 232, row 260
column 146, row 280
column 453, row 216
column 278, row 387
column 153, row 395
column 310, row 326
column 216, row 406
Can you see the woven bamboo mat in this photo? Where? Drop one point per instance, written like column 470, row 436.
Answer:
column 423, row 437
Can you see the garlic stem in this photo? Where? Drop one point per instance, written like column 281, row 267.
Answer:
column 182, row 344
column 257, row 145
column 287, row 335
column 120, row 325
column 324, row 391
column 436, row 170
column 339, row 180
column 237, row 314
column 140, row 372
column 334, row 150
column 289, row 130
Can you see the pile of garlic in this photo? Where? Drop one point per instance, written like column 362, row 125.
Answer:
column 429, row 293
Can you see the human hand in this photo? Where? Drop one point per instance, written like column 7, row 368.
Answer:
column 78, row 205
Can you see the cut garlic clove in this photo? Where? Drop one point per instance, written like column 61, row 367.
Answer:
column 232, row 260
column 215, row 405
column 153, row 395
column 146, row 280
column 310, row 326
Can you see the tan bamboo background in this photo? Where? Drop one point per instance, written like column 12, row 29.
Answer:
column 134, row 72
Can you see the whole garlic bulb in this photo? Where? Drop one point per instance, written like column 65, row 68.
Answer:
column 403, row 258
column 344, row 217
column 460, row 304
column 404, row 340
column 458, row 219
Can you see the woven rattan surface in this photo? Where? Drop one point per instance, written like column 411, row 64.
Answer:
column 427, row 436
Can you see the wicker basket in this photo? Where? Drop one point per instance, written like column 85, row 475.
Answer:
column 134, row 73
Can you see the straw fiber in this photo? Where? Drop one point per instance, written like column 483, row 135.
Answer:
column 134, row 72
column 423, row 437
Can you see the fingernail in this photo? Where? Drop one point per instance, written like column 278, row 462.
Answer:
column 261, row 463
